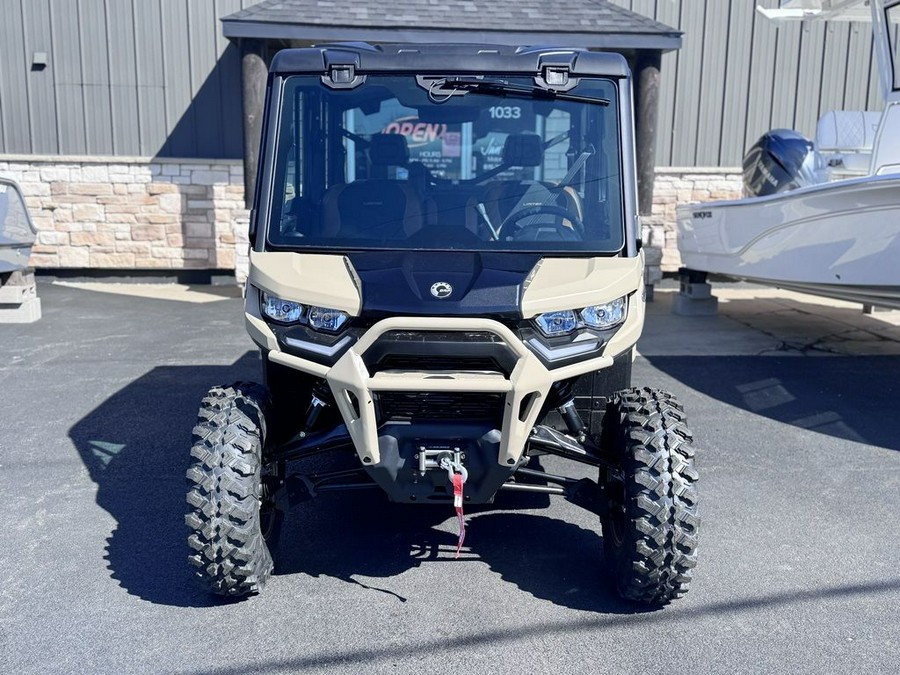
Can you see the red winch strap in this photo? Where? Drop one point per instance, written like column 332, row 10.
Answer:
column 458, row 504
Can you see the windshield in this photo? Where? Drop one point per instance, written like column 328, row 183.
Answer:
column 402, row 162
column 892, row 19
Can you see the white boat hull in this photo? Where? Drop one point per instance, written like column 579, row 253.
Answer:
column 839, row 239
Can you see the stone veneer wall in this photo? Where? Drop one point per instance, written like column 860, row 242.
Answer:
column 131, row 213
column 138, row 213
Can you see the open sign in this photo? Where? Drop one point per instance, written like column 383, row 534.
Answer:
column 417, row 133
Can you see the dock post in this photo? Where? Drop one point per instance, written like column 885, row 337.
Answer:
column 694, row 297
column 19, row 302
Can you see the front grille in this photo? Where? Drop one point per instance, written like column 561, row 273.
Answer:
column 442, row 363
column 438, row 406
column 440, row 351
column 401, row 336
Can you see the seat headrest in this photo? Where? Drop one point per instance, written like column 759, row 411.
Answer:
column 388, row 150
column 523, row 150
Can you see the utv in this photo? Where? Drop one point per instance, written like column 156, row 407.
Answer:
column 445, row 283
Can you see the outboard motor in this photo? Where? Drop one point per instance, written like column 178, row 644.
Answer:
column 780, row 160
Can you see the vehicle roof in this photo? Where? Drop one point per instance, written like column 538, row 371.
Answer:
column 444, row 58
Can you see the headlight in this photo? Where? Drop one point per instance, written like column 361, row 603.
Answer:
column 557, row 323
column 327, row 320
column 608, row 315
column 283, row 311
column 604, row 316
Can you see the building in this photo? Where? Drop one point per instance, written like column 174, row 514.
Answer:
column 123, row 120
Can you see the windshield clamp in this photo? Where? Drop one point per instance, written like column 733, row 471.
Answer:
column 342, row 76
column 555, row 76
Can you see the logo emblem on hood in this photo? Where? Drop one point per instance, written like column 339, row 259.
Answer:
column 441, row 290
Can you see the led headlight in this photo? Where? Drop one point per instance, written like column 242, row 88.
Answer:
column 552, row 324
column 604, row 316
column 607, row 315
column 327, row 320
column 283, row 311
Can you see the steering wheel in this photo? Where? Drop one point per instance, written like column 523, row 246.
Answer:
column 511, row 224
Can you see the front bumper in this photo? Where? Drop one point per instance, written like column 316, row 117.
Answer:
column 524, row 390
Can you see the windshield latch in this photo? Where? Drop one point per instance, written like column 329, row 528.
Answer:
column 342, row 76
column 556, row 76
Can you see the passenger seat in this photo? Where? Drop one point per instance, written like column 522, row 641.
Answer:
column 375, row 208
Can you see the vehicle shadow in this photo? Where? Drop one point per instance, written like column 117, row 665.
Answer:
column 135, row 447
column 368, row 536
column 844, row 397
column 551, row 559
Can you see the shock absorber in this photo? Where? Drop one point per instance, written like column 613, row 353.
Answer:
column 319, row 400
column 565, row 391
column 573, row 420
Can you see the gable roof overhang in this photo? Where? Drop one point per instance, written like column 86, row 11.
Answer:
column 592, row 24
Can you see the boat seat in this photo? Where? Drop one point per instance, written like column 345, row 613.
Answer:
column 847, row 131
column 844, row 142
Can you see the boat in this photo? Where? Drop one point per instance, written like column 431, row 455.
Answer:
column 823, row 216
column 17, row 232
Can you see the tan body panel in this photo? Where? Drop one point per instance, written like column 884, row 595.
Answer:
column 572, row 283
column 309, row 278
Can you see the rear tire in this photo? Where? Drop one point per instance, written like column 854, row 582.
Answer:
column 650, row 529
column 231, row 516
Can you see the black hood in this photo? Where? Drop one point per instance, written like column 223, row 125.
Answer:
column 480, row 284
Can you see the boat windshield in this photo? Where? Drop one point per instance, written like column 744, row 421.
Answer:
column 15, row 226
column 447, row 163
column 892, row 20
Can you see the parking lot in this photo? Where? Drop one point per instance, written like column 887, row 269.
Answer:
column 793, row 406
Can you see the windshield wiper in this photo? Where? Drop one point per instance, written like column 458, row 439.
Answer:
column 503, row 88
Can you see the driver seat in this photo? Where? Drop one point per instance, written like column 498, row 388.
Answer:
column 500, row 198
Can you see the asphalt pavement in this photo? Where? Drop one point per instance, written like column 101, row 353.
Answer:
column 798, row 449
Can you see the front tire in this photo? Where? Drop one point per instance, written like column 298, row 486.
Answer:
column 650, row 528
column 230, row 516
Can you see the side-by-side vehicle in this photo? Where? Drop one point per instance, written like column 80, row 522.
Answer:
column 446, row 283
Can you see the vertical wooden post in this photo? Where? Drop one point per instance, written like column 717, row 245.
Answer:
column 253, row 88
column 646, row 75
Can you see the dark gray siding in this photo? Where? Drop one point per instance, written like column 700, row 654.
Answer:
column 125, row 77
column 156, row 77
column 738, row 75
